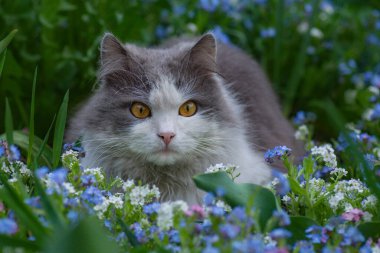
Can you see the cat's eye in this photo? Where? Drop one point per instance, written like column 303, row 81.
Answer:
column 188, row 109
column 140, row 110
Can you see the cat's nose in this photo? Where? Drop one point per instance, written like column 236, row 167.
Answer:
column 166, row 137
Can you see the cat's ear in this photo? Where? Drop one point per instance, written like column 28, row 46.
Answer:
column 116, row 62
column 203, row 53
column 111, row 48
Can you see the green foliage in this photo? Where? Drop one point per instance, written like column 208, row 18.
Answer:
column 252, row 195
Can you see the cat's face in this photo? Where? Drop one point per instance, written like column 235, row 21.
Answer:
column 162, row 106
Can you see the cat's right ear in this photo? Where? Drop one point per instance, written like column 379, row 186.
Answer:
column 111, row 49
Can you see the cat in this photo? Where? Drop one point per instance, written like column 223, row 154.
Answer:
column 163, row 114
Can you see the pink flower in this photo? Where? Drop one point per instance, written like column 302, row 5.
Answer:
column 353, row 215
column 197, row 210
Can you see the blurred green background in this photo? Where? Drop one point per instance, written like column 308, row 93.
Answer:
column 311, row 50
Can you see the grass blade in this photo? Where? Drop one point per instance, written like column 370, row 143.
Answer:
column 31, row 120
column 60, row 130
column 2, row 61
column 5, row 42
column 23, row 211
column 8, row 122
column 278, row 43
column 43, row 145
column 8, row 241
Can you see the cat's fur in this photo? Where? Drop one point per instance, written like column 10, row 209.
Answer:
column 238, row 114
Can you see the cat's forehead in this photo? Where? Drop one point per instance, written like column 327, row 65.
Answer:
column 165, row 94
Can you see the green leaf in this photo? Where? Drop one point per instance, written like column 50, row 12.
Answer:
column 22, row 211
column 296, row 187
column 5, row 42
column 8, row 241
column 239, row 194
column 31, row 121
column 370, row 229
column 87, row 236
column 60, row 130
column 8, row 122
column 21, row 139
column 298, row 225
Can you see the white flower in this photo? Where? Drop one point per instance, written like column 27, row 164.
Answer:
column 367, row 216
column 286, row 199
column 222, row 204
column 339, row 172
column 302, row 27
column 116, row 200
column 375, row 249
column 316, row 33
column 69, row 187
column 165, row 216
column 302, row 133
column 334, row 200
column 369, row 202
column 326, row 152
column 167, row 211
column 12, row 180
column 376, row 151
column 97, row 172
column 215, row 168
column 128, row 185
column 23, row 169
column 142, row 194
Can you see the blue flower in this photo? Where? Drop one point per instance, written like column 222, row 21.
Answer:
column 209, row 5
column 278, row 152
column 8, row 226
column 229, row 231
column 2, row 151
column 208, row 199
column 328, row 249
column 302, row 117
column 174, row 236
column 220, row 191
column 73, row 216
column 220, row 35
column 93, row 195
column 238, row 213
column 88, row 180
column 304, row 247
column 121, row 236
column 15, row 153
column 217, row 211
column 282, row 187
column 108, row 224
column 352, row 236
column 161, row 32
column 59, row 175
column 375, row 115
column 282, row 217
column 316, row 234
column 210, row 249
column 41, row 172
column 139, row 232
column 280, row 233
column 33, row 202
column 151, row 208
column 268, row 32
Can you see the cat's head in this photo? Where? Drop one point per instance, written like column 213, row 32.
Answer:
column 161, row 105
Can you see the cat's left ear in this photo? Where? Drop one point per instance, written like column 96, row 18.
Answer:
column 203, row 53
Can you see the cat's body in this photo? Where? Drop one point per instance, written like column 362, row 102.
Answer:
column 236, row 115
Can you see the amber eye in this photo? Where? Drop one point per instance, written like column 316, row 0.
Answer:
column 188, row 109
column 140, row 110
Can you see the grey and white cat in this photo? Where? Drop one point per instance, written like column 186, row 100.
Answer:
column 162, row 115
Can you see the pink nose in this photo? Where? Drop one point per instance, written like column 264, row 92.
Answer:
column 166, row 137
